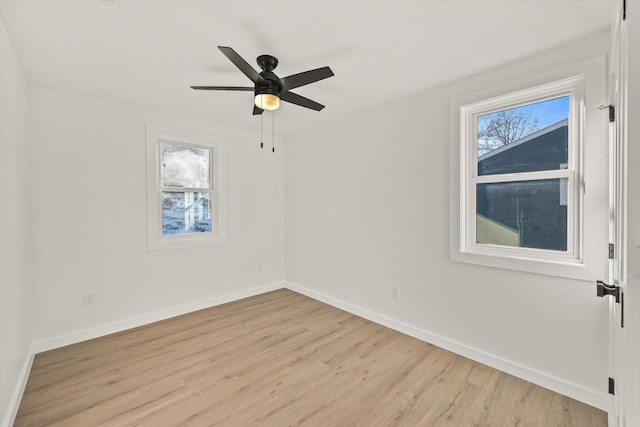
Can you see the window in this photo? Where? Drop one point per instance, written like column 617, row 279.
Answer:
column 186, row 188
column 497, row 205
column 521, row 160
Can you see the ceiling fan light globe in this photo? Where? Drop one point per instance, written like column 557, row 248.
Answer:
column 267, row 101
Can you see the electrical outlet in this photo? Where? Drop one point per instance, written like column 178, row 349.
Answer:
column 395, row 292
column 87, row 299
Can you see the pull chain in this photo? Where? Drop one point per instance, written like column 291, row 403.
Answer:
column 261, row 133
column 273, row 131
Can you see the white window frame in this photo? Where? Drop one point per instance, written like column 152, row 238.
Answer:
column 589, row 260
column 217, row 146
column 571, row 87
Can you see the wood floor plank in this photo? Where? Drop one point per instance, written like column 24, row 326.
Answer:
column 279, row 359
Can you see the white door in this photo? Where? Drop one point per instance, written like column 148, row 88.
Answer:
column 617, row 223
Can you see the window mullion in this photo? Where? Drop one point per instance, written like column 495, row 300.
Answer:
column 185, row 189
column 523, row 176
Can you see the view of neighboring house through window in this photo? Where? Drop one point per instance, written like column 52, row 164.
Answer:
column 185, row 176
column 522, row 212
column 522, row 186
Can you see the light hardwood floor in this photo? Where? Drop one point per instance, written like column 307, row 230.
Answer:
column 280, row 359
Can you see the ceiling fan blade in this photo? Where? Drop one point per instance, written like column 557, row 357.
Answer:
column 294, row 98
column 257, row 111
column 238, row 88
column 242, row 65
column 296, row 80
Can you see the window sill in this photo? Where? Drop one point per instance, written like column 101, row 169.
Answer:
column 185, row 241
column 570, row 268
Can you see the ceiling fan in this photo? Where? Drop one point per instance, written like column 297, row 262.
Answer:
column 270, row 89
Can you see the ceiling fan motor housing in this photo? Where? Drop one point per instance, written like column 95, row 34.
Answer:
column 270, row 82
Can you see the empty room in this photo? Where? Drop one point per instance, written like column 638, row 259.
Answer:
column 319, row 213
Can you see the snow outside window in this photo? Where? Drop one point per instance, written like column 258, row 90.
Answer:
column 186, row 188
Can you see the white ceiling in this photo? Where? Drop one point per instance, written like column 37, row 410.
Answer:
column 148, row 53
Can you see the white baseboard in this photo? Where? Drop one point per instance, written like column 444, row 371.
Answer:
column 574, row 391
column 110, row 328
column 14, row 403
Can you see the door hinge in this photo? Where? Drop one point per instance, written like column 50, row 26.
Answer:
column 611, row 250
column 603, row 289
column 612, row 112
column 612, row 386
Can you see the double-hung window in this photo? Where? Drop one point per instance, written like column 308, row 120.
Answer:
column 521, row 173
column 186, row 188
column 528, row 177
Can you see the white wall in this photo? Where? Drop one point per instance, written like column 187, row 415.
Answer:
column 89, row 221
column 16, row 291
column 367, row 208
